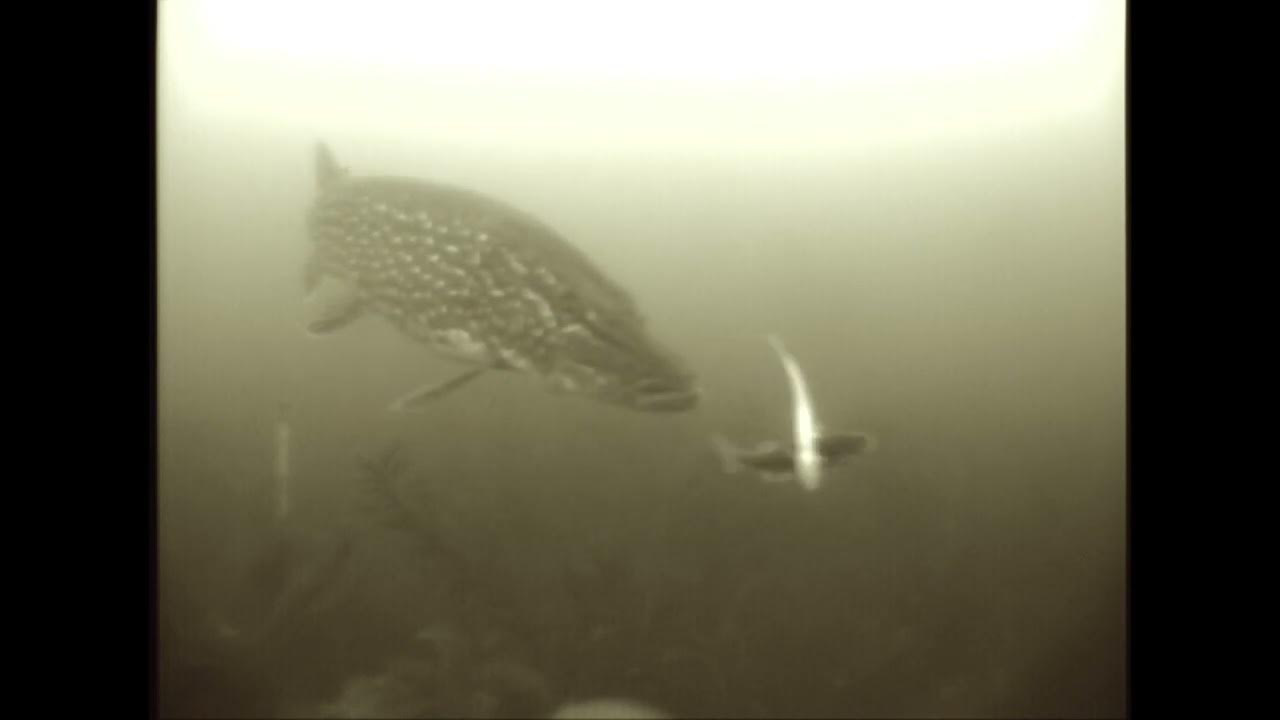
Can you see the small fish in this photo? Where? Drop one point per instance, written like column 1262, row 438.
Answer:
column 776, row 462
column 811, row 449
column 484, row 283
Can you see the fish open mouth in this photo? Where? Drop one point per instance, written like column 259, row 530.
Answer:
column 666, row 396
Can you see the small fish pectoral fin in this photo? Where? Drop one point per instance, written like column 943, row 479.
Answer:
column 424, row 395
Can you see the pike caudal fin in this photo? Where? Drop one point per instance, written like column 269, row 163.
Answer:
column 727, row 453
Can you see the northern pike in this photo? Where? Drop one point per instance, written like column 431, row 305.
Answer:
column 485, row 283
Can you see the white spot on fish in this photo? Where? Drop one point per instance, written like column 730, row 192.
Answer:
column 515, row 359
column 544, row 308
column 564, row 382
column 460, row 343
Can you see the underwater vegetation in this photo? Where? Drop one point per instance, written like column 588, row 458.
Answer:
column 426, row 597
column 503, row 629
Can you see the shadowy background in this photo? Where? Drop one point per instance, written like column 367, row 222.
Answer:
column 507, row 549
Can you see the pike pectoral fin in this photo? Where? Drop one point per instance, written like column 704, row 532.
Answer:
column 335, row 316
column 332, row 302
column 426, row 394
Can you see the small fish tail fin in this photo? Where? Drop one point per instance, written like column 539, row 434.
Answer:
column 872, row 444
column 328, row 170
column 727, row 453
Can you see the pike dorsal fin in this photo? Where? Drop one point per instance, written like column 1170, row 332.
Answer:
column 328, row 171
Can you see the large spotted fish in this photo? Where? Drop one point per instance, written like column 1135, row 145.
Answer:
column 485, row 283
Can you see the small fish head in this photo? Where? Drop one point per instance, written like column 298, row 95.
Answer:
column 629, row 371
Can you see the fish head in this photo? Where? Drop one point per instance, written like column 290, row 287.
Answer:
column 625, row 369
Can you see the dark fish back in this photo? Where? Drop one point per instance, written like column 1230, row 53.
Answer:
column 434, row 257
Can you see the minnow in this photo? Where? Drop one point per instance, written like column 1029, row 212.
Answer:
column 811, row 449
column 776, row 462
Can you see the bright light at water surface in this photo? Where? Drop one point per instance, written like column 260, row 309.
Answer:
column 776, row 77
